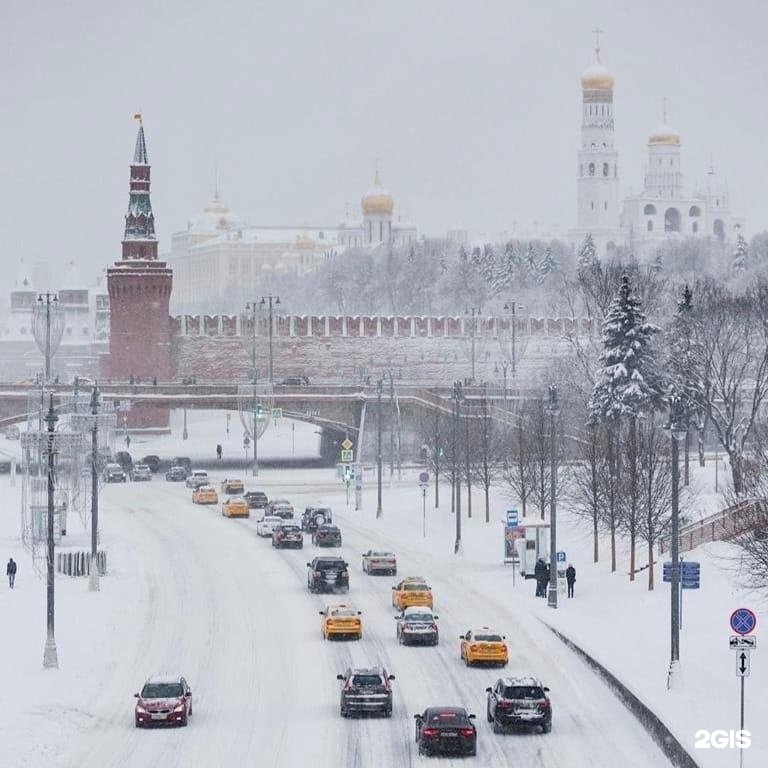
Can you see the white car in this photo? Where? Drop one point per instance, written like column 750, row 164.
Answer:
column 379, row 561
column 198, row 478
column 267, row 525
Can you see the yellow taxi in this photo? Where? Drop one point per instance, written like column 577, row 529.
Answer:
column 205, row 494
column 411, row 591
column 232, row 487
column 341, row 621
column 235, row 506
column 484, row 646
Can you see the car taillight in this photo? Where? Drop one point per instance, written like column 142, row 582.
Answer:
column 505, row 705
column 433, row 627
column 544, row 705
column 473, row 647
column 429, row 732
column 467, row 731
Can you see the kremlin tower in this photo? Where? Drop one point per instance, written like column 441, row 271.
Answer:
column 139, row 287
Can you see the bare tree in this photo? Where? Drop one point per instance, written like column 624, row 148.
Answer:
column 517, row 471
column 588, row 482
column 489, row 451
column 435, row 433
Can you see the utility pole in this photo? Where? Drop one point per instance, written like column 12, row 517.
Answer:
column 50, row 656
column 93, row 576
column 473, row 312
column 251, row 307
column 276, row 300
column 438, row 449
column 677, row 430
column 553, row 408
column 457, row 474
column 48, row 301
column 511, row 306
column 379, row 388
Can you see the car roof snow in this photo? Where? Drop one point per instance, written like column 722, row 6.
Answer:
column 164, row 679
column 522, row 680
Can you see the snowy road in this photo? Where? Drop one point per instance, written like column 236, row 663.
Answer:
column 214, row 602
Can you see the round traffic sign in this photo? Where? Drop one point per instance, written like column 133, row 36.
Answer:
column 423, row 477
column 743, row 621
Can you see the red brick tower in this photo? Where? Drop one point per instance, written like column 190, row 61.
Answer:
column 139, row 288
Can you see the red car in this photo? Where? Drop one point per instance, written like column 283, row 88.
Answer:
column 163, row 701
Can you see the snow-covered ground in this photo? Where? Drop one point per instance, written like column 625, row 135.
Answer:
column 191, row 592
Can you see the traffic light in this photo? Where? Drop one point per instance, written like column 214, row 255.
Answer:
column 259, row 411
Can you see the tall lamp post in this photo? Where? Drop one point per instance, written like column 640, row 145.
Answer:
column 512, row 307
column 677, row 430
column 50, row 657
column 456, row 474
column 47, row 306
column 553, row 409
column 379, row 390
column 276, row 300
column 474, row 313
column 251, row 307
column 93, row 576
column 504, row 366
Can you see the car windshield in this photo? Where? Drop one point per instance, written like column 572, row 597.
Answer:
column 448, row 718
column 329, row 565
column 417, row 587
column 343, row 612
column 364, row 681
column 523, row 692
column 161, row 691
column 273, row 519
column 381, row 554
column 418, row 617
column 488, row 638
column 291, row 528
column 329, row 529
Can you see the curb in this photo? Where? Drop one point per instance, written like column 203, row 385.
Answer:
column 662, row 736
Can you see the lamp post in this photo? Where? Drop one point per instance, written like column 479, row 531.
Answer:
column 504, row 366
column 93, row 576
column 185, row 433
column 47, row 303
column 379, row 389
column 553, row 409
column 251, row 307
column 276, row 300
column 474, row 313
column 677, row 431
column 456, row 474
column 512, row 307
column 50, row 657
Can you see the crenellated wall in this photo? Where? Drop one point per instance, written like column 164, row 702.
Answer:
column 348, row 348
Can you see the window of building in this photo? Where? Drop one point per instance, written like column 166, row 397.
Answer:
column 649, row 225
column 695, row 227
column 606, row 169
column 649, row 210
column 672, row 220
column 694, row 211
column 719, row 229
column 591, row 169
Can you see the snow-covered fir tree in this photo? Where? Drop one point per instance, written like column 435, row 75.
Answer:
column 547, row 266
column 487, row 264
column 628, row 381
column 740, row 254
column 530, row 265
column 587, row 255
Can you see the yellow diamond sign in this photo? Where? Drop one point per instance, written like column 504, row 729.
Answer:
column 347, row 444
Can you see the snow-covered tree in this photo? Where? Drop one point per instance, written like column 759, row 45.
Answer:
column 547, row 266
column 740, row 254
column 587, row 255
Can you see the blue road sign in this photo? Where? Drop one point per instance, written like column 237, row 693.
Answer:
column 690, row 573
column 512, row 518
column 743, row 621
column 560, row 557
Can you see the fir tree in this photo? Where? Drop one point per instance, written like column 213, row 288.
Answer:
column 530, row 264
column 548, row 265
column 587, row 256
column 739, row 263
column 487, row 264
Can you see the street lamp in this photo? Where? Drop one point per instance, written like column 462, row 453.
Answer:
column 512, row 307
column 379, row 390
column 504, row 366
column 264, row 300
column 50, row 656
column 93, row 576
column 474, row 313
column 457, row 397
column 553, row 409
column 677, row 430
column 251, row 307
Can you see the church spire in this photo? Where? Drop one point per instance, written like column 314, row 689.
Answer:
column 139, row 241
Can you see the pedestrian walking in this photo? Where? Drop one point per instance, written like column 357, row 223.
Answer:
column 538, row 572
column 127, row 441
column 570, row 577
column 218, row 451
column 10, row 572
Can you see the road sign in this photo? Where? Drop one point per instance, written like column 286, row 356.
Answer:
column 512, row 518
column 560, row 557
column 742, row 664
column 742, row 643
column 743, row 621
column 277, row 413
column 423, row 478
column 347, row 444
column 246, row 441
column 346, row 457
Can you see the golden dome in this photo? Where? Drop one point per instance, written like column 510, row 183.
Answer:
column 596, row 77
column 665, row 135
column 377, row 200
column 305, row 243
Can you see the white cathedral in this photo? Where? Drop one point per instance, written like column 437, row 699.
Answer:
column 662, row 210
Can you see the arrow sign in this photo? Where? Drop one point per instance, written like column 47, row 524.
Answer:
column 742, row 664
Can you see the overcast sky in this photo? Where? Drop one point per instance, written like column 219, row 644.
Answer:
column 472, row 109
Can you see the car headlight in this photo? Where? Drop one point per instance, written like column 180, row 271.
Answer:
column 178, row 708
column 141, row 709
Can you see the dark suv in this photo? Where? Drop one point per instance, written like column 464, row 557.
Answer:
column 328, row 574
column 284, row 536
column 123, row 458
column 519, row 701
column 326, row 536
column 256, row 499
column 366, row 690
column 314, row 517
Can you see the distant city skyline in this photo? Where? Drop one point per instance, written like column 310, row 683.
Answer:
column 472, row 112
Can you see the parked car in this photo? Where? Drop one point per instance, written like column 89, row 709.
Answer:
column 114, row 473
column 232, row 487
column 365, row 691
column 294, row 381
column 483, row 646
column 327, row 536
column 266, row 526
column 284, row 536
column 256, row 499
column 152, row 461
column 176, row 474
column 123, row 458
column 141, row 473
column 197, row 478
column 183, row 461
column 163, row 701
column 328, row 574
column 519, row 701
column 205, row 494
column 379, row 561
column 417, row 626
column 341, row 621
column 314, row 517
column 235, row 506
column 446, row 730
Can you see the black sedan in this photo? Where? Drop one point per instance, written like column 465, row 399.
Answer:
column 446, row 730
column 256, row 499
column 327, row 536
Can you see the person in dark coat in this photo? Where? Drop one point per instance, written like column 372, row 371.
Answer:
column 10, row 572
column 218, row 451
column 570, row 577
column 538, row 573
